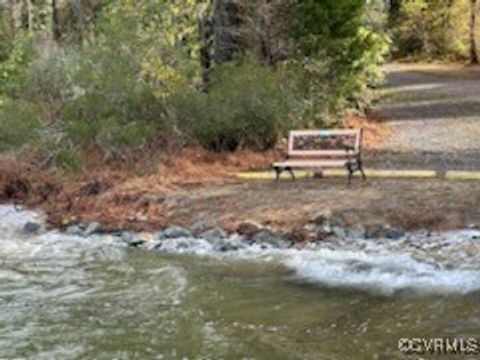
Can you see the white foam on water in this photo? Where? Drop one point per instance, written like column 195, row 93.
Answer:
column 385, row 272
column 382, row 267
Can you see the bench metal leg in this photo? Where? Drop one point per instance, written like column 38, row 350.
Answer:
column 278, row 172
column 360, row 167
column 292, row 174
column 350, row 173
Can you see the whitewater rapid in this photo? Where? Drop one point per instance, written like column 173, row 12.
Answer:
column 421, row 262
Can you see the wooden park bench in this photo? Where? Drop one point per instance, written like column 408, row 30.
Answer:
column 320, row 149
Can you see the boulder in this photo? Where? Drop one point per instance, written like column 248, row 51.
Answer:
column 214, row 235
column 323, row 217
column 357, row 232
column 201, row 226
column 92, row 229
column 310, row 227
column 227, row 246
column 31, row 228
column 384, row 231
column 74, row 230
column 339, row 232
column 270, row 238
column 131, row 239
column 172, row 232
column 249, row 228
column 394, row 233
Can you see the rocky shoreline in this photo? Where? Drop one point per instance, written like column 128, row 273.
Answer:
column 456, row 249
column 322, row 226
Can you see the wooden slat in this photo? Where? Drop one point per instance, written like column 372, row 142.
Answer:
column 340, row 152
column 326, row 132
column 320, row 153
column 310, row 163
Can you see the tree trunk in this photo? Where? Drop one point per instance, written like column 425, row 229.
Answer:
column 78, row 15
column 474, row 59
column 30, row 16
column 16, row 11
column 394, row 11
column 56, row 28
column 206, row 33
column 265, row 32
column 227, row 22
column 220, row 30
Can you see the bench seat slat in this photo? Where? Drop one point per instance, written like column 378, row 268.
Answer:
column 310, row 163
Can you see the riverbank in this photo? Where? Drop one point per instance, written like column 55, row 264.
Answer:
column 150, row 203
column 194, row 186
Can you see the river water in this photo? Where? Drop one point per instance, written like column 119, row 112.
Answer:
column 67, row 297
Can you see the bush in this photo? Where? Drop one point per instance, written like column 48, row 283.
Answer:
column 14, row 63
column 247, row 105
column 110, row 107
column 19, row 124
column 49, row 82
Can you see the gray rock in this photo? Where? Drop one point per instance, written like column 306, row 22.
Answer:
column 74, row 230
column 131, row 239
column 356, row 232
column 92, row 229
column 376, row 231
column 214, row 235
column 394, row 233
column 339, row 232
column 31, row 228
column 270, row 238
column 200, row 226
column 172, row 232
column 384, row 231
column 310, row 227
column 226, row 246
column 322, row 217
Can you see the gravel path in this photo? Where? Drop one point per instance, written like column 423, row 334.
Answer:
column 434, row 114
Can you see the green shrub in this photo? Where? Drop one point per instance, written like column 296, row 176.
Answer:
column 49, row 82
column 19, row 124
column 67, row 159
column 111, row 107
column 6, row 35
column 14, row 63
column 247, row 105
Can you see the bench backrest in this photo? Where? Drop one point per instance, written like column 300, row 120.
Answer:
column 324, row 142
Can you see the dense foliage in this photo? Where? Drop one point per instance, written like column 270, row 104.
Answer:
column 111, row 76
column 432, row 29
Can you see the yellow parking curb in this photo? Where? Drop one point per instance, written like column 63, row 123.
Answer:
column 386, row 173
column 462, row 175
column 373, row 173
column 270, row 175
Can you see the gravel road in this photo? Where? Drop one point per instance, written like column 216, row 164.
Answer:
column 434, row 114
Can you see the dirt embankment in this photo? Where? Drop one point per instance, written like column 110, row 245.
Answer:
column 195, row 185
column 117, row 195
column 199, row 187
